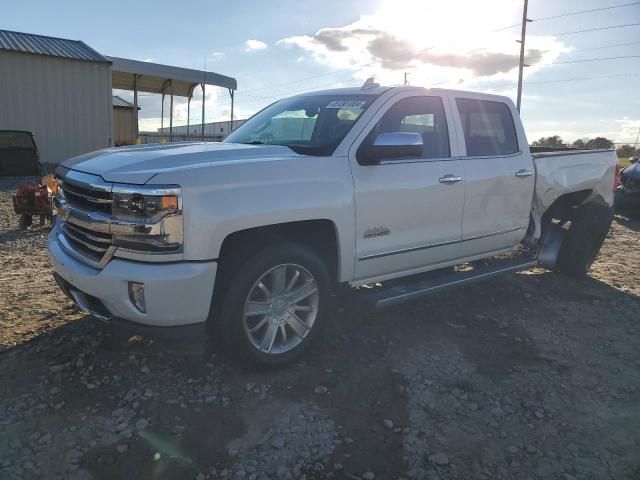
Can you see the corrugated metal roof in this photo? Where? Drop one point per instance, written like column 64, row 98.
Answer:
column 51, row 46
column 121, row 102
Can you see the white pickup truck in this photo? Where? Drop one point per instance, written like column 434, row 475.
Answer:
column 247, row 239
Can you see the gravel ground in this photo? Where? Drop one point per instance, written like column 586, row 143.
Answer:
column 531, row 376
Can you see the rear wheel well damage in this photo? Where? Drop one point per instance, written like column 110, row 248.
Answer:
column 557, row 221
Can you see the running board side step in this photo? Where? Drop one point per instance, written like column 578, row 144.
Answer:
column 410, row 288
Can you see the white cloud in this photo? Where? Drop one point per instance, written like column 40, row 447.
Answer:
column 436, row 43
column 629, row 130
column 215, row 56
column 253, row 45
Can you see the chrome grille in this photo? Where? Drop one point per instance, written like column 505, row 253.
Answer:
column 92, row 197
column 96, row 242
column 85, row 212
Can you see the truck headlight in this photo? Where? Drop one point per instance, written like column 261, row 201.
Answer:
column 147, row 218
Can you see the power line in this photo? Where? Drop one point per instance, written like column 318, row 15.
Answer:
column 560, row 80
column 621, row 57
column 585, row 11
column 610, row 27
column 592, row 60
column 244, row 93
column 605, row 46
column 435, row 46
column 575, row 79
column 395, row 57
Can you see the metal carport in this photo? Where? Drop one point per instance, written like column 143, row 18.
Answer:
column 156, row 78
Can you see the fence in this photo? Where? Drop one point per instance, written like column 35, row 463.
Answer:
column 157, row 137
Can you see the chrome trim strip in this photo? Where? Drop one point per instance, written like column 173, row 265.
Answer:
column 562, row 153
column 64, row 244
column 86, row 181
column 71, row 191
column 84, row 305
column 90, row 246
column 483, row 157
column 158, row 190
column 96, row 221
column 88, row 235
column 442, row 244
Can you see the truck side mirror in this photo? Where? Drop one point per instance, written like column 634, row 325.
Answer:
column 391, row 145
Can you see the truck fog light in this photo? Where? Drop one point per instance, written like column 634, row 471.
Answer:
column 136, row 294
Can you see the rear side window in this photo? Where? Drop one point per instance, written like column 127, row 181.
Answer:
column 488, row 128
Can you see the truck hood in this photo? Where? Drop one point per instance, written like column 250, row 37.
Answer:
column 140, row 163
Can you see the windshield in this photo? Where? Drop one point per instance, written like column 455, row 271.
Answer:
column 312, row 125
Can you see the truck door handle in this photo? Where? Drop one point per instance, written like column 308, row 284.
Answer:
column 523, row 173
column 449, row 179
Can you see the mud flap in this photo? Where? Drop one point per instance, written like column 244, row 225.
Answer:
column 551, row 242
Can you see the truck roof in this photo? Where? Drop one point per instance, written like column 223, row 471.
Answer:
column 380, row 89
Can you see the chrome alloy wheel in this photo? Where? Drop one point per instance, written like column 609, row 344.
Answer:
column 281, row 308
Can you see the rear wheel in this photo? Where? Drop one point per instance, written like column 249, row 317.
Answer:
column 582, row 242
column 25, row 221
column 273, row 304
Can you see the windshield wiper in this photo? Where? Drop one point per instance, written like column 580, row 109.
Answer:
column 255, row 142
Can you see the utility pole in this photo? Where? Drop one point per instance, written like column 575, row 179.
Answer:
column 406, row 80
column 523, row 35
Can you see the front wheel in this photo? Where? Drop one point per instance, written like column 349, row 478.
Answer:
column 273, row 307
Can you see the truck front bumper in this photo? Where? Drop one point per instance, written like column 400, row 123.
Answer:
column 175, row 294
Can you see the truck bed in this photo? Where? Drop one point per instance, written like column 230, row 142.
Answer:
column 562, row 172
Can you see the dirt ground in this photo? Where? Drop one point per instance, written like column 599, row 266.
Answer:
column 529, row 376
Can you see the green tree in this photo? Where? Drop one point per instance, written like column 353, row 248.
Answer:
column 580, row 143
column 626, row 151
column 599, row 143
column 554, row 141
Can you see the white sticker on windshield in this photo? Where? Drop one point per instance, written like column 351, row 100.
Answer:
column 346, row 104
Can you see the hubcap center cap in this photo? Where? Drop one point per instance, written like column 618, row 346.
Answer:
column 279, row 307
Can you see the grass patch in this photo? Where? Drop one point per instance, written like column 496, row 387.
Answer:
column 624, row 162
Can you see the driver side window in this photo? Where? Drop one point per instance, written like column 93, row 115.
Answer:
column 422, row 115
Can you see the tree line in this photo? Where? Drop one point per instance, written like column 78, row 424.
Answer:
column 623, row 151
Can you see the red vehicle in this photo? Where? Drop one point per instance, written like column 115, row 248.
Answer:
column 30, row 200
column 19, row 157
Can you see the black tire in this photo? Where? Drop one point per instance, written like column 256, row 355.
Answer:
column 582, row 242
column 619, row 201
column 239, row 275
column 25, row 221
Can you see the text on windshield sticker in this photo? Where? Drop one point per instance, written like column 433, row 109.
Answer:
column 346, row 104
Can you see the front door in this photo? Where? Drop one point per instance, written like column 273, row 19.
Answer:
column 408, row 210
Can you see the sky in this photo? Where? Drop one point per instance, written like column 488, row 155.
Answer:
column 573, row 87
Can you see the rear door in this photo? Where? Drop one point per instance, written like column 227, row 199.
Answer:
column 499, row 174
column 408, row 210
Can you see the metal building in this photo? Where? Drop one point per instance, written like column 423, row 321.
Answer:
column 58, row 89
column 124, row 122
column 61, row 91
